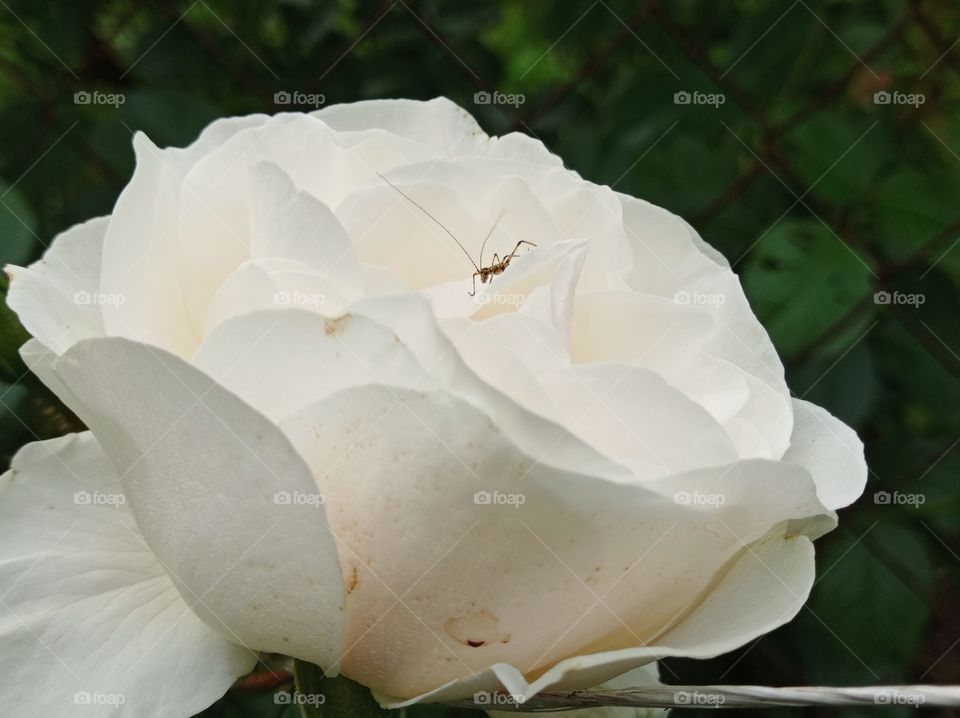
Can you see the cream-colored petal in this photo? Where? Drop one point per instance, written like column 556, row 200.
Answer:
column 764, row 588
column 281, row 360
column 260, row 284
column 288, row 223
column 58, row 298
column 660, row 335
column 670, row 260
column 633, row 416
column 140, row 261
column 546, row 278
column 411, row 318
column 437, row 124
column 221, row 496
column 142, row 249
column 831, row 451
column 90, row 622
column 417, row 242
column 516, row 578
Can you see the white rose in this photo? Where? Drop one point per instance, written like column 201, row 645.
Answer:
column 541, row 492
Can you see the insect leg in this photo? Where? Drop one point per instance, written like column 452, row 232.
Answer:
column 522, row 241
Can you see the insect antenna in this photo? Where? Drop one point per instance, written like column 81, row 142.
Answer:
column 496, row 222
column 438, row 223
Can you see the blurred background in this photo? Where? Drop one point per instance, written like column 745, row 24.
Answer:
column 816, row 144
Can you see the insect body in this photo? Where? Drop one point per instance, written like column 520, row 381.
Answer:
column 497, row 265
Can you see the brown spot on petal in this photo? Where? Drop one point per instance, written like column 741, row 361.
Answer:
column 333, row 327
column 476, row 629
column 353, row 580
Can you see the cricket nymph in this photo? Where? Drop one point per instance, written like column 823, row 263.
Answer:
column 496, row 266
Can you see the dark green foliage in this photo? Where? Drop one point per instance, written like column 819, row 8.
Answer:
column 819, row 197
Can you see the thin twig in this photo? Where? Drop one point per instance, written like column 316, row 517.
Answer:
column 724, row 697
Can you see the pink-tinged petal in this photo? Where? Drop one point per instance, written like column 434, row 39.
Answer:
column 482, row 580
column 758, row 592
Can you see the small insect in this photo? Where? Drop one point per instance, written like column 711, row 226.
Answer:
column 496, row 266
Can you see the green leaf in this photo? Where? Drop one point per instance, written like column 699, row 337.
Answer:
column 800, row 279
column 322, row 697
column 18, row 226
column 871, row 604
column 912, row 206
column 847, row 386
column 12, row 337
column 838, row 156
column 245, row 704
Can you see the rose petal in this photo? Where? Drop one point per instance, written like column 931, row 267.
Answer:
column 205, row 476
column 542, row 204
column 671, row 260
column 482, row 584
column 279, row 361
column 437, row 124
column 291, row 224
column 40, row 361
column 554, row 269
column 544, row 347
column 660, row 335
column 271, row 284
column 488, row 195
column 142, row 259
column 429, row 253
column 763, row 589
column 86, row 607
column 609, row 406
column 662, row 244
column 497, row 365
column 411, row 318
column 831, row 451
column 57, row 298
